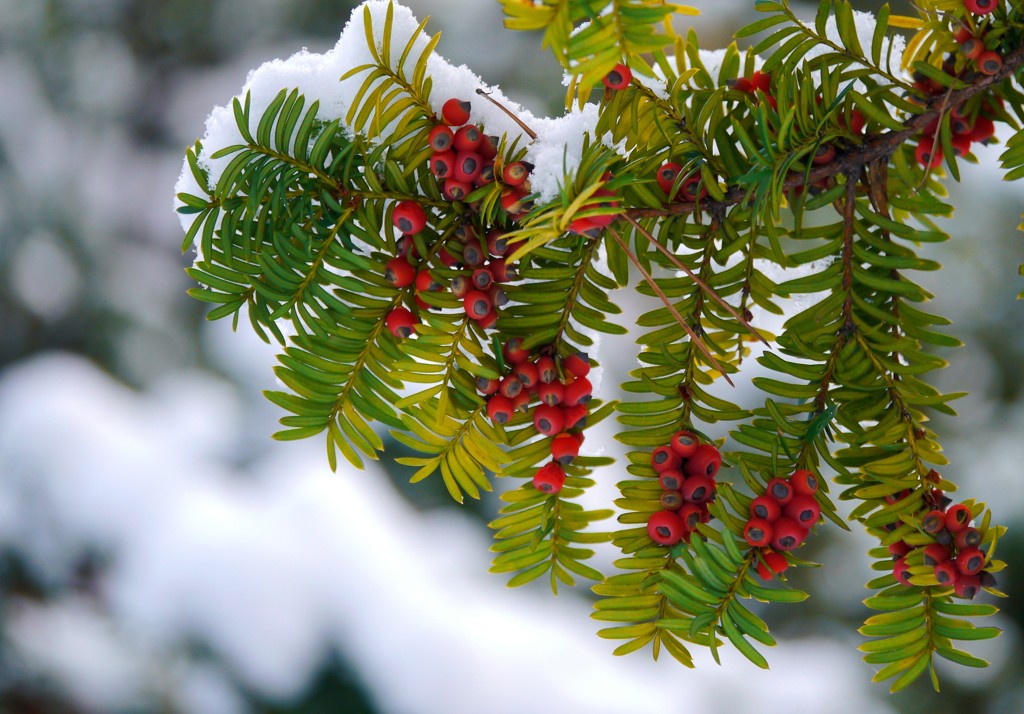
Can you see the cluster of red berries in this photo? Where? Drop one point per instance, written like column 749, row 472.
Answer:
column 757, row 84
column 463, row 158
column 955, row 556
column 972, row 47
column 555, row 392
column 591, row 226
column 781, row 519
column 686, row 472
column 688, row 189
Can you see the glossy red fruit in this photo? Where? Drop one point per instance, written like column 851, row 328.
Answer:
column 546, row 370
column 981, row 7
column 441, row 138
column 399, row 272
column 691, row 189
column 927, row 154
column 665, row 528
column 481, row 278
column 684, row 443
column 551, row 393
column 477, row 304
column 972, row 47
column 455, row 112
column 667, row 176
column 401, row 322
column 961, row 145
column 513, row 200
column 489, row 146
column 698, row 489
column 575, row 417
column 967, row 586
column 472, row 254
column 899, row 548
column 514, row 352
column 983, row 129
column 514, row 174
column 526, row 372
column 467, row 166
column 771, row 564
column 578, row 364
column 857, row 121
column 548, row 420
column 672, row 500
column 758, row 532
column 486, row 174
column 468, row 138
column 761, row 80
column 565, row 448
column 989, row 62
column 664, row 459
column 705, row 461
column 803, row 509
column 497, row 243
column 970, row 561
column 788, row 534
column 460, row 286
column 765, row 507
column 935, row 553
column 968, row 538
column 510, row 386
column 957, row 517
column 584, row 226
column 946, row 572
column 501, row 270
column 618, row 78
column 578, row 392
column 550, row 478
column 671, row 480
column 901, row 571
column 425, row 282
column 781, row 490
column 933, row 521
column 500, row 408
column 488, row 321
column 522, row 402
column 824, row 154
column 455, row 190
column 692, row 514
column 804, row 482
column 409, row 217
column 497, row 295
column 442, row 164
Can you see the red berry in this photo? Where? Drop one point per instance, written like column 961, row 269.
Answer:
column 585, row 226
column 691, row 514
column 968, row 538
column 684, row 443
column 514, row 352
column 497, row 244
column 502, row 271
column 758, row 532
column 690, row 189
column 672, row 500
column 579, row 392
column 489, row 146
column 803, row 509
column 521, row 401
column 665, row 459
column 957, row 518
column 766, row 508
column 981, row 7
column 401, row 322
column 970, row 561
column 781, row 490
column 900, row 548
column 467, row 138
column 510, row 386
column 399, row 272
column 705, row 461
column 665, row 528
column 477, row 304
column 761, row 80
column 442, row 164
column 551, row 393
column 667, row 176
column 698, row 489
column 983, row 129
column 578, row 364
column 455, row 112
column 472, row 254
column 460, row 286
column 456, row 190
column 549, row 478
column 481, row 278
column 823, row 154
column 527, row 374
column 488, row 320
column 467, row 166
column 771, row 564
column 972, row 47
column 967, row 586
column 933, row 521
column 546, row 370
column 618, row 78
column 857, row 121
column 425, row 282
column 989, row 62
column 513, row 200
column 900, row 571
column 486, row 174
column 575, row 416
column 548, row 420
column 788, row 534
column 514, row 174
column 486, row 385
column 409, row 217
column 497, row 295
column 927, row 154
column 564, row 448
column 671, row 480
column 440, row 138
column 500, row 408
column 946, row 572
column 935, row 553
column 804, row 482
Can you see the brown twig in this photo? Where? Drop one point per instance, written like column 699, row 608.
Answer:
column 668, row 304
column 529, row 132
column 700, row 283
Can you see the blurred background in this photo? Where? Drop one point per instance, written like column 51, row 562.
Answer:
column 159, row 553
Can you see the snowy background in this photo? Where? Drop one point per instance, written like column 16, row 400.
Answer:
column 158, row 553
